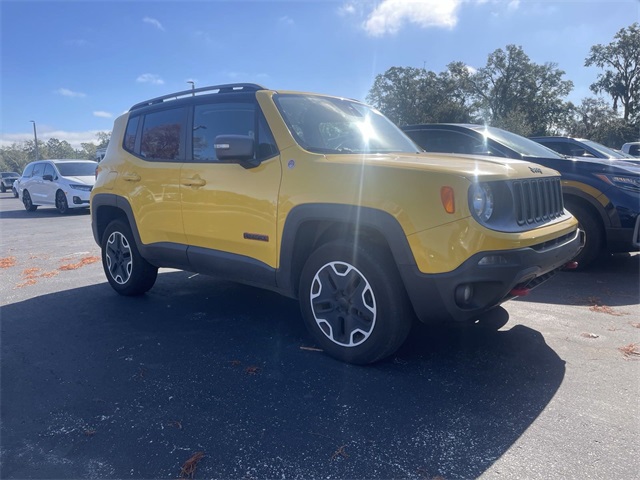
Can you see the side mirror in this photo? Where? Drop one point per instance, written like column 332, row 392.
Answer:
column 48, row 177
column 236, row 148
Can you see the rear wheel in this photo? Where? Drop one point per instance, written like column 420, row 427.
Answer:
column 28, row 204
column 354, row 303
column 593, row 234
column 127, row 272
column 61, row 202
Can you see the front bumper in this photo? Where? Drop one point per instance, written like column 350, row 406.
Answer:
column 624, row 239
column 486, row 279
column 78, row 198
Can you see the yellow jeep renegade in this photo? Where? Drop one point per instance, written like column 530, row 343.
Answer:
column 325, row 200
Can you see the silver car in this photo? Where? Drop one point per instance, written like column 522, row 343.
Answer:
column 63, row 184
column 6, row 180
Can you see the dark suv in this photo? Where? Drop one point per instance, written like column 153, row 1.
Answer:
column 581, row 147
column 604, row 195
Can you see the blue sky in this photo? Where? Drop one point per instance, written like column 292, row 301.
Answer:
column 74, row 66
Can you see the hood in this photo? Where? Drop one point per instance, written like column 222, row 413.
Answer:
column 595, row 164
column 469, row 166
column 85, row 180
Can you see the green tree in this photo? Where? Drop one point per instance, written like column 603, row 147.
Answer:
column 621, row 79
column 399, row 92
column 596, row 120
column 103, row 139
column 59, row 149
column 14, row 158
column 516, row 94
column 410, row 95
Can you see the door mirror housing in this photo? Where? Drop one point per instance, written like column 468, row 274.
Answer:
column 48, row 177
column 236, row 148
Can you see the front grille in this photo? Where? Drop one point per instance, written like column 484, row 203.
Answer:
column 537, row 200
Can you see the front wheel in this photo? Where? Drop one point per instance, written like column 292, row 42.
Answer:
column 594, row 240
column 28, row 204
column 3, row 189
column 127, row 272
column 61, row 202
column 354, row 303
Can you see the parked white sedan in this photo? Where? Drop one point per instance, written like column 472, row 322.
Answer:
column 63, row 184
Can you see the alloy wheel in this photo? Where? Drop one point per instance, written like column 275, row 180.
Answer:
column 343, row 304
column 118, row 256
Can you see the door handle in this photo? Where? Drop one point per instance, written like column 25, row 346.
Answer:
column 194, row 182
column 131, row 177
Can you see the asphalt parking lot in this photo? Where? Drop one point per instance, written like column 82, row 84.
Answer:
column 94, row 385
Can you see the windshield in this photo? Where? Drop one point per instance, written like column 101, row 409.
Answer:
column 606, row 151
column 77, row 169
column 518, row 143
column 334, row 125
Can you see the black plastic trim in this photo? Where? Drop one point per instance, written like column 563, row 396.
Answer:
column 347, row 215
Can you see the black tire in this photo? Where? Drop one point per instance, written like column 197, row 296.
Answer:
column 15, row 192
column 3, row 189
column 61, row 202
column 593, row 232
column 28, row 204
column 127, row 272
column 364, row 314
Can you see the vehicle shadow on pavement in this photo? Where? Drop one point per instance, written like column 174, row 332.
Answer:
column 44, row 212
column 612, row 281
column 102, row 386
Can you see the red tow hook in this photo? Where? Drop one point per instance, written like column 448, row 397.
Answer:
column 570, row 266
column 520, row 292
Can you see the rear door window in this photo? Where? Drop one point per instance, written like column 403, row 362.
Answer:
column 163, row 135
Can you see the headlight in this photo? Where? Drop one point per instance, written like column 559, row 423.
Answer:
column 622, row 181
column 84, row 188
column 481, row 200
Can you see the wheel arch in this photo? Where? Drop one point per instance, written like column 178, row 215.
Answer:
column 309, row 226
column 605, row 213
column 107, row 207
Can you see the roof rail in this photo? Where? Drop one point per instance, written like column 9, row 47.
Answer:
column 227, row 88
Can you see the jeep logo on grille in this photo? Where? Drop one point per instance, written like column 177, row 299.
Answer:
column 535, row 170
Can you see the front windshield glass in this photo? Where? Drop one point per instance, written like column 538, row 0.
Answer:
column 77, row 169
column 518, row 143
column 334, row 125
column 606, row 151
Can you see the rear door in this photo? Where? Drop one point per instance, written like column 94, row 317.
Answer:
column 156, row 143
column 35, row 185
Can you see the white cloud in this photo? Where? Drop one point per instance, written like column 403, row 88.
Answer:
column 102, row 114
column 390, row 15
column 75, row 139
column 65, row 92
column 152, row 21
column 513, row 5
column 150, row 78
column 286, row 20
column 347, row 9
